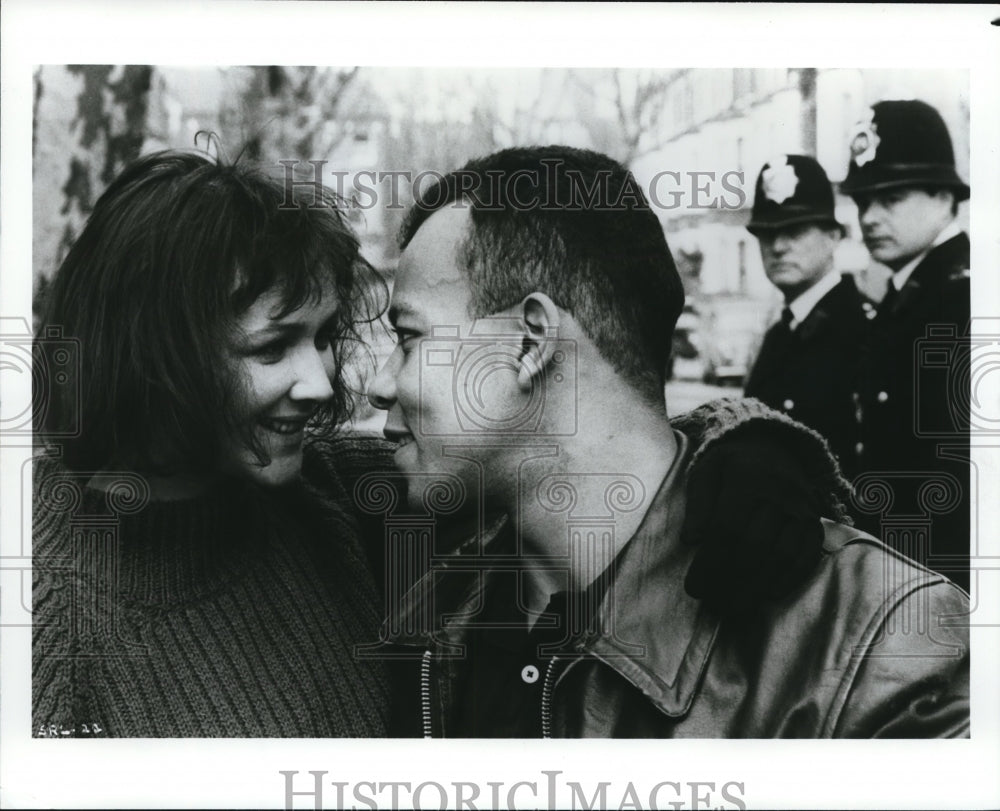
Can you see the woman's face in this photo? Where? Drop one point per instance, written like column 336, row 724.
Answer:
column 286, row 364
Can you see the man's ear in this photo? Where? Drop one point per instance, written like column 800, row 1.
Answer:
column 540, row 327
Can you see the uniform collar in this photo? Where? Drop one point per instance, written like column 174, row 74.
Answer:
column 804, row 303
column 901, row 276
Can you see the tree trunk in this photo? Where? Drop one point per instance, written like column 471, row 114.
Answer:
column 90, row 121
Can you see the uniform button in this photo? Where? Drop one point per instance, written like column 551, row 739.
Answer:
column 529, row 674
column 859, row 448
column 788, row 405
column 882, row 397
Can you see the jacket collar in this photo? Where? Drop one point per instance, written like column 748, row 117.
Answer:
column 900, row 277
column 933, row 270
column 651, row 631
column 803, row 304
column 843, row 293
column 432, row 611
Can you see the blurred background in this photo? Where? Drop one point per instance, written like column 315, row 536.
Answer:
column 712, row 129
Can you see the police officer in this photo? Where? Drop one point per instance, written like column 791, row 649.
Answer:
column 915, row 379
column 808, row 362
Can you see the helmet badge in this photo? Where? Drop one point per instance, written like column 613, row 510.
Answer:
column 779, row 180
column 864, row 140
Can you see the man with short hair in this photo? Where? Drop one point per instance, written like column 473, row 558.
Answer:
column 808, row 363
column 914, row 385
column 533, row 304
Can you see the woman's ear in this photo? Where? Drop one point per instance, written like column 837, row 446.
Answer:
column 539, row 322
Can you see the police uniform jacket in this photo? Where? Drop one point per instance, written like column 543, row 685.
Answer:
column 906, row 411
column 914, row 399
column 811, row 372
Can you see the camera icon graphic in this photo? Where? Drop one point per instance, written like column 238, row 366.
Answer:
column 51, row 363
column 954, row 377
column 466, row 367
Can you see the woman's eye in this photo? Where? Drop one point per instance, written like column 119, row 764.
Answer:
column 327, row 336
column 269, row 352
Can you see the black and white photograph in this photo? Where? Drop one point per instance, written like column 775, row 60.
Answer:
column 362, row 393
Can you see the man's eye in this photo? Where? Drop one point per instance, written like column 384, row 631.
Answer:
column 404, row 336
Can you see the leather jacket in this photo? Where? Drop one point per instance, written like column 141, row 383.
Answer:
column 872, row 645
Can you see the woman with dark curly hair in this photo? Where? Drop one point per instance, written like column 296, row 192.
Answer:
column 185, row 579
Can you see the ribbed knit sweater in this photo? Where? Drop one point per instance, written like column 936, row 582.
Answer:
column 233, row 614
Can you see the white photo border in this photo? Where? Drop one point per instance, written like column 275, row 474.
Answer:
column 246, row 773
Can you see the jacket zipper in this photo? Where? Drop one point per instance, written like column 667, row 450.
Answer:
column 425, row 692
column 425, row 695
column 547, row 686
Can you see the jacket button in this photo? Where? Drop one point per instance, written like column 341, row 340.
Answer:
column 882, row 396
column 788, row 405
column 529, row 674
column 859, row 448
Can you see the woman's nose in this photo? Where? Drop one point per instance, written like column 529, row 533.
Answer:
column 313, row 374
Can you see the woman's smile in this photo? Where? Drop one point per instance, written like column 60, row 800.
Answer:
column 285, row 426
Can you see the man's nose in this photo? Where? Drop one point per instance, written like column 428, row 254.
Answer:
column 382, row 391
column 868, row 212
column 313, row 373
column 780, row 243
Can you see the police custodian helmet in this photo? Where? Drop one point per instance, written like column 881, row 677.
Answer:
column 792, row 190
column 902, row 143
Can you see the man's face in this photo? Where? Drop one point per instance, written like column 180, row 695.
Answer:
column 797, row 256
column 899, row 224
column 420, row 382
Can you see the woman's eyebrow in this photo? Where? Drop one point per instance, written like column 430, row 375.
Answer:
column 276, row 328
column 291, row 327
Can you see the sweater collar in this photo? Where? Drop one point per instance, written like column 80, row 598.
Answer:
column 176, row 551
column 151, row 552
